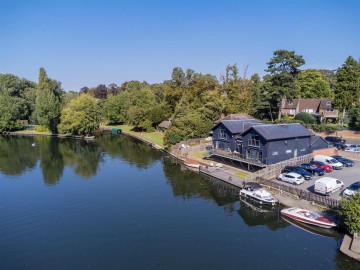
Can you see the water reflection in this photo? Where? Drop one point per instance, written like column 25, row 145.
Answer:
column 16, row 155
column 21, row 153
column 133, row 151
column 254, row 214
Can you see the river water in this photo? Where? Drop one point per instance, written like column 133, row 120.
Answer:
column 116, row 203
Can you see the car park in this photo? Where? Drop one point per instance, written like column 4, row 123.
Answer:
column 345, row 161
column 312, row 169
column 336, row 165
column 337, row 142
column 322, row 165
column 298, row 170
column 328, row 185
column 351, row 190
column 292, row 178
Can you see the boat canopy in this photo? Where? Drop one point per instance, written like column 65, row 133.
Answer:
column 253, row 185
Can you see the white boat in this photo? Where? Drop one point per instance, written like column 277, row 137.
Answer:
column 305, row 216
column 256, row 192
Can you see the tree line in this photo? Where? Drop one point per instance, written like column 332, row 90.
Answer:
column 191, row 100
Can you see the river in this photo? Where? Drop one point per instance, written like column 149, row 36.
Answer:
column 117, row 203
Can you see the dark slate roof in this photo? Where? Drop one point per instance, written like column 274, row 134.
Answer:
column 237, row 126
column 282, row 131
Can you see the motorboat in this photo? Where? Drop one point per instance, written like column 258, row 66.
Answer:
column 325, row 232
column 308, row 217
column 256, row 192
column 192, row 163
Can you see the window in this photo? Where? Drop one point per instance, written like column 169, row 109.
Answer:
column 292, row 112
column 328, row 102
column 222, row 134
column 290, row 102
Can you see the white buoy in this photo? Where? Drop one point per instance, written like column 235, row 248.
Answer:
column 33, row 144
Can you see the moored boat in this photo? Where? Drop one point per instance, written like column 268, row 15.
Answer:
column 324, row 232
column 256, row 192
column 308, row 217
column 192, row 163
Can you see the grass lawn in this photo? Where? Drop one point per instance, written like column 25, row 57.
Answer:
column 241, row 175
column 200, row 154
column 154, row 137
column 31, row 132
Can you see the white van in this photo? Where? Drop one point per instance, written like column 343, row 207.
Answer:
column 336, row 165
column 328, row 185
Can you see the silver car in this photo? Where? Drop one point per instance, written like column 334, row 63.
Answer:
column 292, row 178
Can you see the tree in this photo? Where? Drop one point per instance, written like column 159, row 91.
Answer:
column 9, row 114
column 306, row 118
column 311, row 84
column 347, row 91
column 350, row 211
column 81, row 116
column 47, row 104
column 101, row 91
column 354, row 115
column 283, row 68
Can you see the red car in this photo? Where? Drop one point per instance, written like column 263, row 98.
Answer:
column 321, row 165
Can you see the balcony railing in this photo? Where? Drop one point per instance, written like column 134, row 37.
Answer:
column 255, row 143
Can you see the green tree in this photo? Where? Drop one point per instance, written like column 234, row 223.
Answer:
column 347, row 91
column 354, row 115
column 284, row 68
column 47, row 104
column 9, row 113
column 237, row 91
column 81, row 116
column 311, row 84
column 350, row 211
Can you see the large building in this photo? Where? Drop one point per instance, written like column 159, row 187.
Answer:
column 263, row 144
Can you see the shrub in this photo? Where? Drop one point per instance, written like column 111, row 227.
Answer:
column 42, row 129
column 306, row 118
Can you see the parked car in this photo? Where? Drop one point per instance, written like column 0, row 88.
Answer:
column 298, row 170
column 328, row 185
column 351, row 190
column 345, row 161
column 313, row 169
column 338, row 142
column 292, row 178
column 321, row 165
column 352, row 149
column 336, row 165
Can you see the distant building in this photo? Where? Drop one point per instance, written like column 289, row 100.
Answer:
column 164, row 125
column 321, row 108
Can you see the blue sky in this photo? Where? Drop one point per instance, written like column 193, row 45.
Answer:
column 85, row 43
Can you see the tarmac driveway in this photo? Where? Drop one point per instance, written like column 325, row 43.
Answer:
column 348, row 175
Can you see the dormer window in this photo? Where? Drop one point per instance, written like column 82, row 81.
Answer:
column 328, row 102
column 290, row 102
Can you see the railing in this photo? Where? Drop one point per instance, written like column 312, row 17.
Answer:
column 274, row 170
column 237, row 156
column 302, row 194
column 255, row 143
